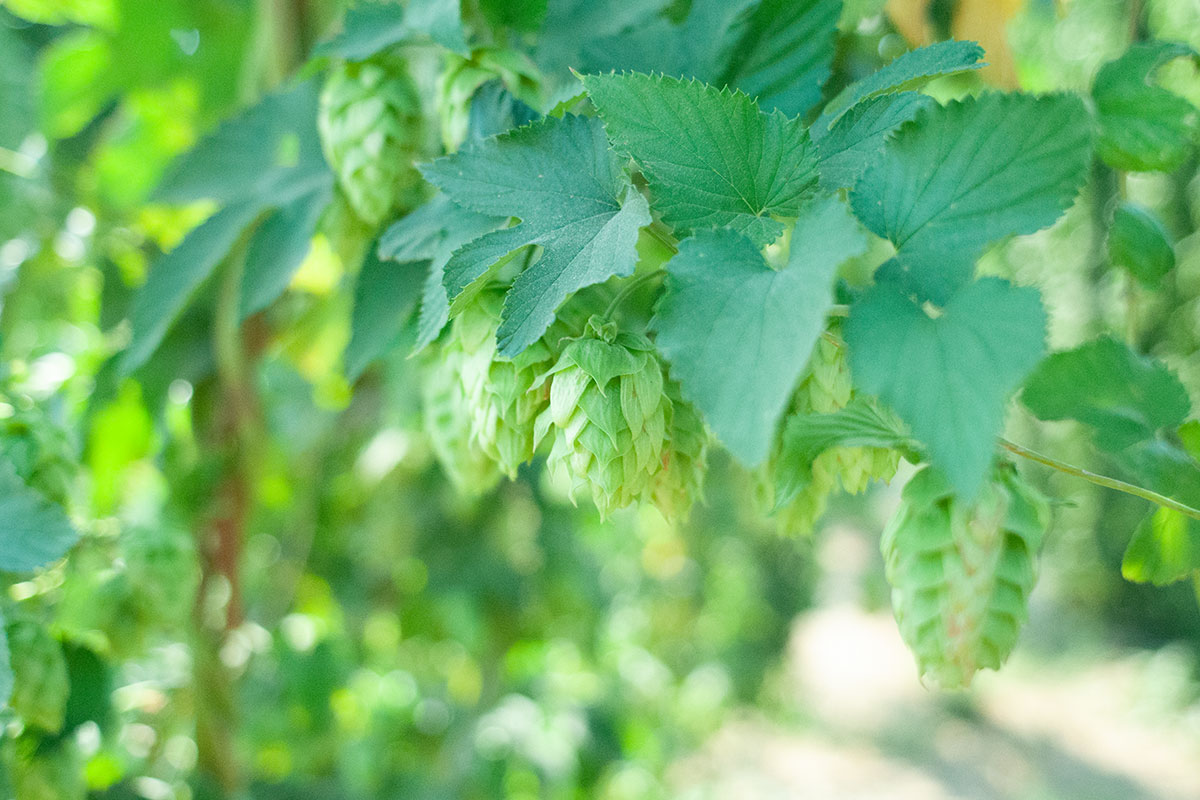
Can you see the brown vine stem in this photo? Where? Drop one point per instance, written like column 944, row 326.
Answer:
column 1101, row 480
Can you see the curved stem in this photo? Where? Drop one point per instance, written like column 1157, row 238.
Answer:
column 631, row 287
column 1101, row 480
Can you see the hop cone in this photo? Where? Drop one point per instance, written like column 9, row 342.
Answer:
column 369, row 124
column 500, row 392
column 448, row 422
column 40, row 679
column 961, row 574
column 462, row 78
column 685, row 459
column 608, row 416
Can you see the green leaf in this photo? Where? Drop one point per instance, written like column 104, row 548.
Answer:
column 574, row 25
column 526, row 16
column 279, row 246
column 574, row 200
column 430, row 235
column 907, row 71
column 1125, row 397
column 711, row 157
column 1138, row 242
column 1143, row 127
column 784, row 57
column 385, row 296
column 175, row 277
column 1165, row 548
column 370, row 28
column 860, row 424
column 858, row 137
column 268, row 155
column 950, row 376
column 738, row 333
column 962, row 176
column 35, row 532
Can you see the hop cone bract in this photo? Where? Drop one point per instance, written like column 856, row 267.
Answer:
column 608, row 416
column 448, row 421
column 369, row 123
column 961, row 573
column 685, row 459
column 462, row 77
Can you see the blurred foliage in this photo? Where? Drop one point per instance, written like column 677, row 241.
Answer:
column 372, row 634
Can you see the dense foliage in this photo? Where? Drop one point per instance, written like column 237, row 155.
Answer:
column 406, row 399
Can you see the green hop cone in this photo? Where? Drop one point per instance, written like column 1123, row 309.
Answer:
column 608, row 416
column 40, row 678
column 500, row 392
column 462, row 78
column 369, row 123
column 677, row 486
column 961, row 574
column 448, row 422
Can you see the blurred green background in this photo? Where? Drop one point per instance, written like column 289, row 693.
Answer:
column 307, row 609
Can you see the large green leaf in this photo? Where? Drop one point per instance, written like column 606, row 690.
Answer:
column 1143, row 127
column 574, row 200
column 34, row 531
column 370, row 28
column 711, row 157
column 384, row 298
column 1138, row 242
column 948, row 376
column 906, row 71
column 429, row 236
column 784, row 57
column 574, row 25
column 846, row 150
column 738, row 333
column 1125, row 397
column 962, row 176
column 279, row 246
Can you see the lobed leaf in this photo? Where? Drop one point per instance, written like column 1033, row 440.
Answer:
column 858, row 137
column 711, row 157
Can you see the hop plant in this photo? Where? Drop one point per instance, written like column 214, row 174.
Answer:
column 40, row 453
column 961, row 573
column 448, row 423
column 369, row 123
column 40, row 678
column 462, row 78
column 608, row 416
column 500, row 392
column 677, row 486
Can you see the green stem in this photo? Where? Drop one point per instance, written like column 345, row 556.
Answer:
column 631, row 287
column 1101, row 480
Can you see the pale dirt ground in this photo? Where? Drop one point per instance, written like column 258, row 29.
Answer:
column 1111, row 726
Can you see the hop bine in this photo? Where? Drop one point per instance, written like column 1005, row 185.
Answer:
column 961, row 573
column 369, row 123
column 608, row 416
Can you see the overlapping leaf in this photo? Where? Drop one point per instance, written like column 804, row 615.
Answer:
column 738, row 333
column 384, row 298
column 950, row 376
column 711, row 157
column 372, row 27
column 962, row 176
column 1124, row 397
column 857, row 138
column 573, row 199
column 35, row 532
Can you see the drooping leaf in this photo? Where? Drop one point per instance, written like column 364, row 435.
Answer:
column 738, row 333
column 1124, row 397
column 784, row 57
column 1139, row 243
column 35, row 532
column 372, row 27
column 711, row 157
column 573, row 25
column 385, row 296
column 962, row 176
column 574, row 200
column 846, row 150
column 907, row 71
column 430, row 235
column 1143, row 127
column 174, row 277
column 950, row 376
column 806, row 436
column 279, row 246
column 1165, row 548
column 700, row 47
